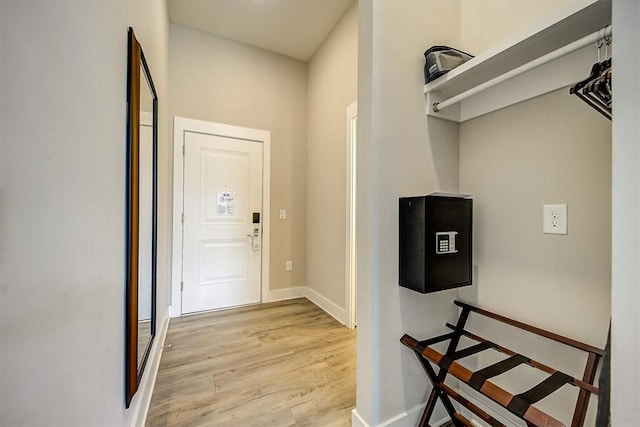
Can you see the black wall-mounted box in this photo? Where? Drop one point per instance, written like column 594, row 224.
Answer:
column 435, row 242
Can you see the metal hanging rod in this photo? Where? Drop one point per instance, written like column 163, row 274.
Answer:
column 558, row 53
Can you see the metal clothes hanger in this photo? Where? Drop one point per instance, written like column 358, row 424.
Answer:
column 596, row 89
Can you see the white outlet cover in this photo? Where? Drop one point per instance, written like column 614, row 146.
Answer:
column 554, row 219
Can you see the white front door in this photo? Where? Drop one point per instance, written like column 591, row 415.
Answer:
column 223, row 215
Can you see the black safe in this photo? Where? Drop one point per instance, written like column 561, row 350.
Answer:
column 435, row 242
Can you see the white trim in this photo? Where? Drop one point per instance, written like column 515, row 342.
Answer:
column 407, row 418
column 356, row 419
column 180, row 125
column 412, row 416
column 331, row 308
column 178, row 196
column 350, row 267
column 145, row 391
column 287, row 293
column 327, row 305
column 266, row 212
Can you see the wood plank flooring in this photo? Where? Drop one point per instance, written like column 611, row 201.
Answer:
column 279, row 364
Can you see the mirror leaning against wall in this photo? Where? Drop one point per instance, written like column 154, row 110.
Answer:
column 142, row 201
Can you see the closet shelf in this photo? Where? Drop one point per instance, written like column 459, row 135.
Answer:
column 571, row 25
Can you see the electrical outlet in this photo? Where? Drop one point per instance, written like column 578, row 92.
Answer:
column 554, row 219
column 283, row 214
column 288, row 265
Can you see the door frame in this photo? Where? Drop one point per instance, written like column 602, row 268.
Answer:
column 180, row 126
column 350, row 261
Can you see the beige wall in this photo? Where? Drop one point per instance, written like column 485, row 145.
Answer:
column 62, row 204
column 552, row 149
column 485, row 23
column 222, row 81
column 332, row 87
column 400, row 153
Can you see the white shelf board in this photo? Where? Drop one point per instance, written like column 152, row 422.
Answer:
column 570, row 25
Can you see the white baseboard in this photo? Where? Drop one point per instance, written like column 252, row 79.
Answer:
column 287, row 293
column 410, row 418
column 327, row 305
column 356, row 420
column 404, row 419
column 145, row 390
column 321, row 301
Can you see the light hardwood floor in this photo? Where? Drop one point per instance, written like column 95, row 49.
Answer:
column 279, row 364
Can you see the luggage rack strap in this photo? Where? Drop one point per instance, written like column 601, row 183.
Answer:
column 533, row 363
column 446, row 360
column 521, row 402
column 502, row 397
column 478, row 378
column 484, row 345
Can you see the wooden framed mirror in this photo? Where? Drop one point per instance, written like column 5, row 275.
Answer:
column 142, row 207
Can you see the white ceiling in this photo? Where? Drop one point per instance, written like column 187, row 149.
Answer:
column 294, row 28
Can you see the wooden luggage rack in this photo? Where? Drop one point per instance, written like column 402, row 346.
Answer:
column 521, row 404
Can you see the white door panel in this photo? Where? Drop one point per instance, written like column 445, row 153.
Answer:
column 223, row 261
column 222, row 190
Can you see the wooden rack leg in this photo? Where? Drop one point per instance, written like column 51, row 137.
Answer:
column 428, row 409
column 434, row 395
column 444, row 398
column 440, row 377
column 583, row 397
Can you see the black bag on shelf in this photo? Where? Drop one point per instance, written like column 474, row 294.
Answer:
column 440, row 60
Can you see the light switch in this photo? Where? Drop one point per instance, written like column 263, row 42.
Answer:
column 283, row 214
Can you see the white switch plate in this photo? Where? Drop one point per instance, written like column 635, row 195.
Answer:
column 554, row 219
column 288, row 266
column 283, row 214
